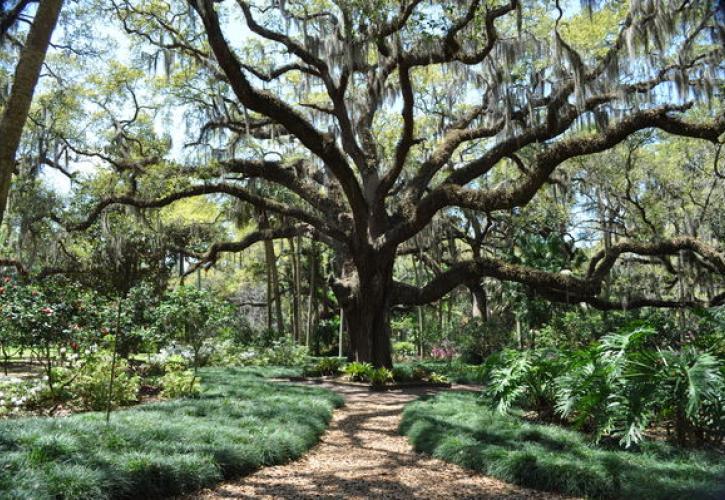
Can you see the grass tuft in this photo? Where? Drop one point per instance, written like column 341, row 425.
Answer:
column 239, row 423
column 458, row 428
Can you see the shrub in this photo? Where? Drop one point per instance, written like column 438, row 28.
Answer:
column 479, row 339
column 358, row 372
column 524, row 378
column 404, row 350
column 325, row 366
column 179, row 384
column 437, row 378
column 90, row 387
column 281, row 352
column 404, row 373
column 617, row 387
column 285, row 352
column 445, row 351
column 381, row 376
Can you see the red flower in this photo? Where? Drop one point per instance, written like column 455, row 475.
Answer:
column 2, row 289
column 47, row 311
column 7, row 279
column 74, row 346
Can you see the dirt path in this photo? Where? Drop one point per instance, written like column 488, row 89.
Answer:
column 362, row 456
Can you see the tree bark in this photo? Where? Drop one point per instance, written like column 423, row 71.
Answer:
column 274, row 295
column 25, row 80
column 367, row 309
column 312, row 297
column 295, row 290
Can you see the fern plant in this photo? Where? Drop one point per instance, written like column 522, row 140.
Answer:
column 358, row 372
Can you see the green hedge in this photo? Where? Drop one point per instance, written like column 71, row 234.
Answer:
column 240, row 422
column 459, row 428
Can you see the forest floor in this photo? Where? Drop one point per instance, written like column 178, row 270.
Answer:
column 362, row 455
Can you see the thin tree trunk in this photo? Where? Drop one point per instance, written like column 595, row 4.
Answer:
column 312, row 298
column 339, row 340
column 421, row 317
column 273, row 289
column 113, row 363
column 25, row 80
column 294, row 303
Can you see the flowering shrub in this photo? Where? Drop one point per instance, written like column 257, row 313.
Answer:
column 445, row 351
column 282, row 352
column 17, row 395
column 54, row 318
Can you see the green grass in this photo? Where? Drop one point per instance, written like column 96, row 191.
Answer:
column 240, row 422
column 458, row 428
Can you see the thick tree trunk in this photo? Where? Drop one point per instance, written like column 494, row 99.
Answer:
column 26, row 77
column 367, row 311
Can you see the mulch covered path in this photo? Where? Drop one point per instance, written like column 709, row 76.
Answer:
column 362, row 456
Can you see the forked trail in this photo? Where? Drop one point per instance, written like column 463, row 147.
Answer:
column 362, row 456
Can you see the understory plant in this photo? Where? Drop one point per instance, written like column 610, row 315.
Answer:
column 90, row 388
column 617, row 387
column 358, row 372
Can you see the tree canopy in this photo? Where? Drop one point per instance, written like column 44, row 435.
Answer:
column 573, row 150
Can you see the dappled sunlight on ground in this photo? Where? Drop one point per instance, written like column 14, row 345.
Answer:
column 363, row 456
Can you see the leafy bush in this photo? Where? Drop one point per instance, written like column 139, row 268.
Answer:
column 285, row 352
column 358, row 372
column 90, row 387
column 17, row 395
column 617, row 387
column 381, row 376
column 179, row 384
column 524, row 378
column 438, row 378
column 479, row 339
column 404, row 373
column 446, row 350
column 325, row 366
column 282, row 352
column 404, row 350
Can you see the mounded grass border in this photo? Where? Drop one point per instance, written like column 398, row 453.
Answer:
column 241, row 422
column 460, row 428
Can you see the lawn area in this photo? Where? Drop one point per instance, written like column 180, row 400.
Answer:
column 239, row 423
column 459, row 428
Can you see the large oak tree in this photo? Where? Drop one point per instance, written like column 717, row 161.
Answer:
column 370, row 120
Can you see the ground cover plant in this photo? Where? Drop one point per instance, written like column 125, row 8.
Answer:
column 239, row 422
column 463, row 429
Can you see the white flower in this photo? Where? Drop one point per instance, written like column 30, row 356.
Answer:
column 63, row 350
column 87, row 352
